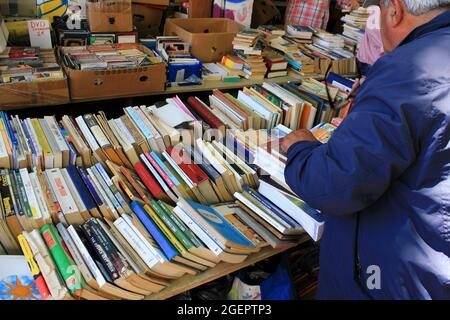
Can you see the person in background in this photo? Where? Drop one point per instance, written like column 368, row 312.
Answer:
column 382, row 181
column 308, row 13
column 371, row 48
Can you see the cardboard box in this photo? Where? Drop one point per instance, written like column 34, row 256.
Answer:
column 30, row 94
column 110, row 16
column 88, row 84
column 147, row 20
column 154, row 2
column 211, row 38
column 21, row 8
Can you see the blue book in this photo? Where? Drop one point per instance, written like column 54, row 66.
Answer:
column 81, row 188
column 164, row 168
column 272, row 207
column 168, row 249
column 88, row 183
column 217, row 225
column 342, row 81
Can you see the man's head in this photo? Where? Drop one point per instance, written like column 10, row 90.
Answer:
column 400, row 17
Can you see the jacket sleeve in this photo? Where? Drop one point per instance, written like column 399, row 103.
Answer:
column 370, row 149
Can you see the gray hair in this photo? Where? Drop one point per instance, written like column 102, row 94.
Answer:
column 419, row 7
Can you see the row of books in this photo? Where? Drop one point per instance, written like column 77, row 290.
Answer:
column 136, row 253
column 104, row 57
column 46, row 143
column 28, row 64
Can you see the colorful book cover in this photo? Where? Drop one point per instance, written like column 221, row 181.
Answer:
column 219, row 223
column 16, row 280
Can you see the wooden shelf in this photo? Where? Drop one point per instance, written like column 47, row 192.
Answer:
column 188, row 282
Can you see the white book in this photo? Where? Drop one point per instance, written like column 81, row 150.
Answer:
column 118, row 196
column 59, row 139
column 142, row 111
column 62, row 191
column 277, row 225
column 77, row 258
column 40, row 196
column 57, row 154
column 87, row 133
column 34, row 206
column 124, row 130
column 155, row 173
column 126, row 144
column 198, row 231
column 73, row 190
column 87, row 257
column 101, row 191
column 310, row 219
column 101, row 182
column 180, row 172
column 139, row 244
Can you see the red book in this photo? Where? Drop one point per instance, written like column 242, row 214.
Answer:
column 149, row 181
column 203, row 111
column 193, row 171
column 160, row 171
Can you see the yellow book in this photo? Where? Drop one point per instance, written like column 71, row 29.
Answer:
column 184, row 256
column 46, row 150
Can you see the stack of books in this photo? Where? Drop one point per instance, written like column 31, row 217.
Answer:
column 354, row 27
column 105, row 57
column 248, row 45
column 271, row 31
column 276, row 64
column 300, row 34
column 182, row 65
column 25, row 64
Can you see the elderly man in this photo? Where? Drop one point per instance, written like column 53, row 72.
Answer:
column 383, row 180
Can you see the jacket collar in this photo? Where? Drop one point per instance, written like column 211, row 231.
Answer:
column 441, row 21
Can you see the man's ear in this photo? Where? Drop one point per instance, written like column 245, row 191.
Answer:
column 396, row 12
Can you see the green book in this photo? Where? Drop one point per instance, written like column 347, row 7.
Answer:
column 184, row 230
column 66, row 266
column 162, row 214
column 23, row 194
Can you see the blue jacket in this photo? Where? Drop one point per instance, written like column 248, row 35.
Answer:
column 383, row 180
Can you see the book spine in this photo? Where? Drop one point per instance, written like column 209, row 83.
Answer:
column 173, row 227
column 97, row 132
column 17, row 203
column 34, row 268
column 22, row 196
column 80, row 187
column 102, row 184
column 207, row 240
column 272, row 208
column 5, row 193
column 65, row 264
column 88, row 183
column 106, row 260
column 32, row 202
column 139, row 123
column 165, row 245
column 86, row 256
column 162, row 170
column 135, row 242
column 185, row 230
column 164, row 228
column 151, row 180
column 111, row 186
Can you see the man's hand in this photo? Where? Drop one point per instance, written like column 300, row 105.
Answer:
column 294, row 137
